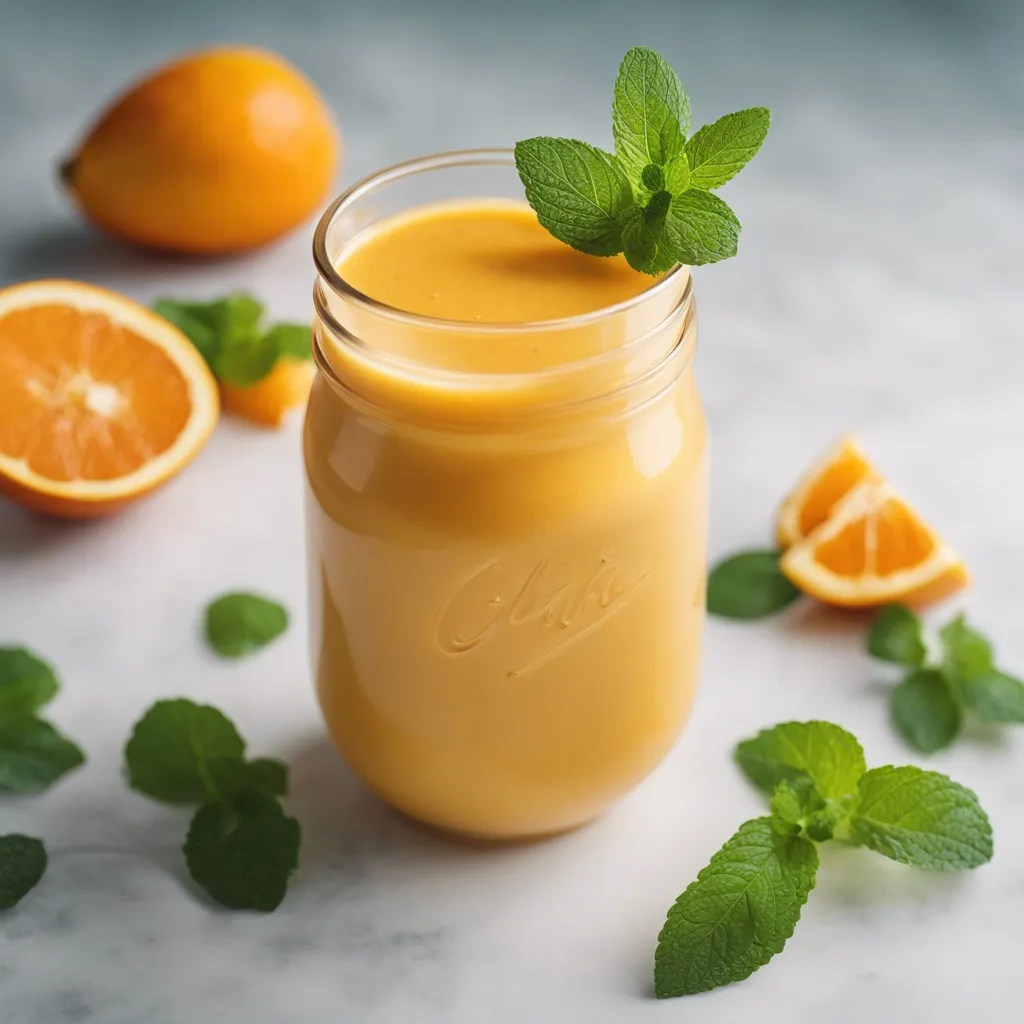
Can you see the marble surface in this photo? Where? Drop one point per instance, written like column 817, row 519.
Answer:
column 877, row 290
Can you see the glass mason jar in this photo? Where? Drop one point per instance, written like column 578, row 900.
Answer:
column 507, row 570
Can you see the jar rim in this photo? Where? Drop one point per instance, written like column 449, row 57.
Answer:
column 497, row 157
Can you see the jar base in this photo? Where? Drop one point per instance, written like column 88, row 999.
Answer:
column 470, row 837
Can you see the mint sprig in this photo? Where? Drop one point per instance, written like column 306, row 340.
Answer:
column 745, row 904
column 33, row 754
column 229, row 335
column 651, row 199
column 241, row 846
column 930, row 702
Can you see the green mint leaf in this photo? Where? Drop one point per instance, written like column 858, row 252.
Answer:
column 211, row 326
column 925, row 711
column 238, row 624
column 677, row 175
column 244, row 361
column 792, row 801
column 195, row 326
column 921, row 818
column 269, row 775
column 749, row 585
column 22, row 865
column 643, row 246
column 33, row 754
column 968, row 653
column 230, row 778
column 292, row 341
column 700, row 229
column 820, row 825
column 827, row 755
column 26, row 682
column 719, row 151
column 580, row 193
column 168, row 756
column 994, row 697
column 738, row 913
column 897, row 635
column 653, row 178
column 650, row 112
column 243, row 854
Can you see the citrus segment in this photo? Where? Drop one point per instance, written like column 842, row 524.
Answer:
column 811, row 502
column 269, row 400
column 100, row 400
column 874, row 549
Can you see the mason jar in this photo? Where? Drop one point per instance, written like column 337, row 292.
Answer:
column 506, row 569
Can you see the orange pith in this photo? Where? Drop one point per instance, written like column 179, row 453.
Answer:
column 817, row 494
column 872, row 550
column 100, row 400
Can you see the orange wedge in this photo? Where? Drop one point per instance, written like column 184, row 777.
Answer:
column 811, row 502
column 874, row 549
column 268, row 401
column 101, row 400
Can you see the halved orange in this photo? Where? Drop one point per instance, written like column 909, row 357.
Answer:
column 101, row 400
column 831, row 478
column 874, row 549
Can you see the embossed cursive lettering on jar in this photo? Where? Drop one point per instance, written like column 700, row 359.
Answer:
column 503, row 563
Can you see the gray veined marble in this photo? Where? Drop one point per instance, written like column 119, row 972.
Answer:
column 877, row 290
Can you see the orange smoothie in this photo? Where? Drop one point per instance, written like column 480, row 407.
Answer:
column 505, row 453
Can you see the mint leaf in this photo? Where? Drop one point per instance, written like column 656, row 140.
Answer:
column 677, row 175
column 650, row 112
column 718, row 152
column 22, row 865
column 925, row 711
column 168, row 756
column 238, row 624
column 700, row 229
column 211, row 326
column 897, row 635
column 995, row 697
column 269, row 775
column 921, row 818
column 293, row 341
column 642, row 245
column 578, row 191
column 827, row 755
column 968, row 653
column 26, row 682
column 749, row 585
column 33, row 754
column 244, row 361
column 227, row 333
column 738, row 913
column 653, row 178
column 243, row 854
column 793, row 801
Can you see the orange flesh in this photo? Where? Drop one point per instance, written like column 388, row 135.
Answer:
column 84, row 398
column 885, row 543
column 841, row 477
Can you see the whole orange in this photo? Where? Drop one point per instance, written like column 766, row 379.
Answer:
column 222, row 150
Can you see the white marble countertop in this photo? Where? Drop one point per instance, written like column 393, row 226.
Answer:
column 877, row 290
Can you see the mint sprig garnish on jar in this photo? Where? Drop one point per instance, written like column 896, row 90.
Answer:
column 651, row 199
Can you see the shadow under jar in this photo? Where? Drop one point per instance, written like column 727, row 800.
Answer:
column 507, row 568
